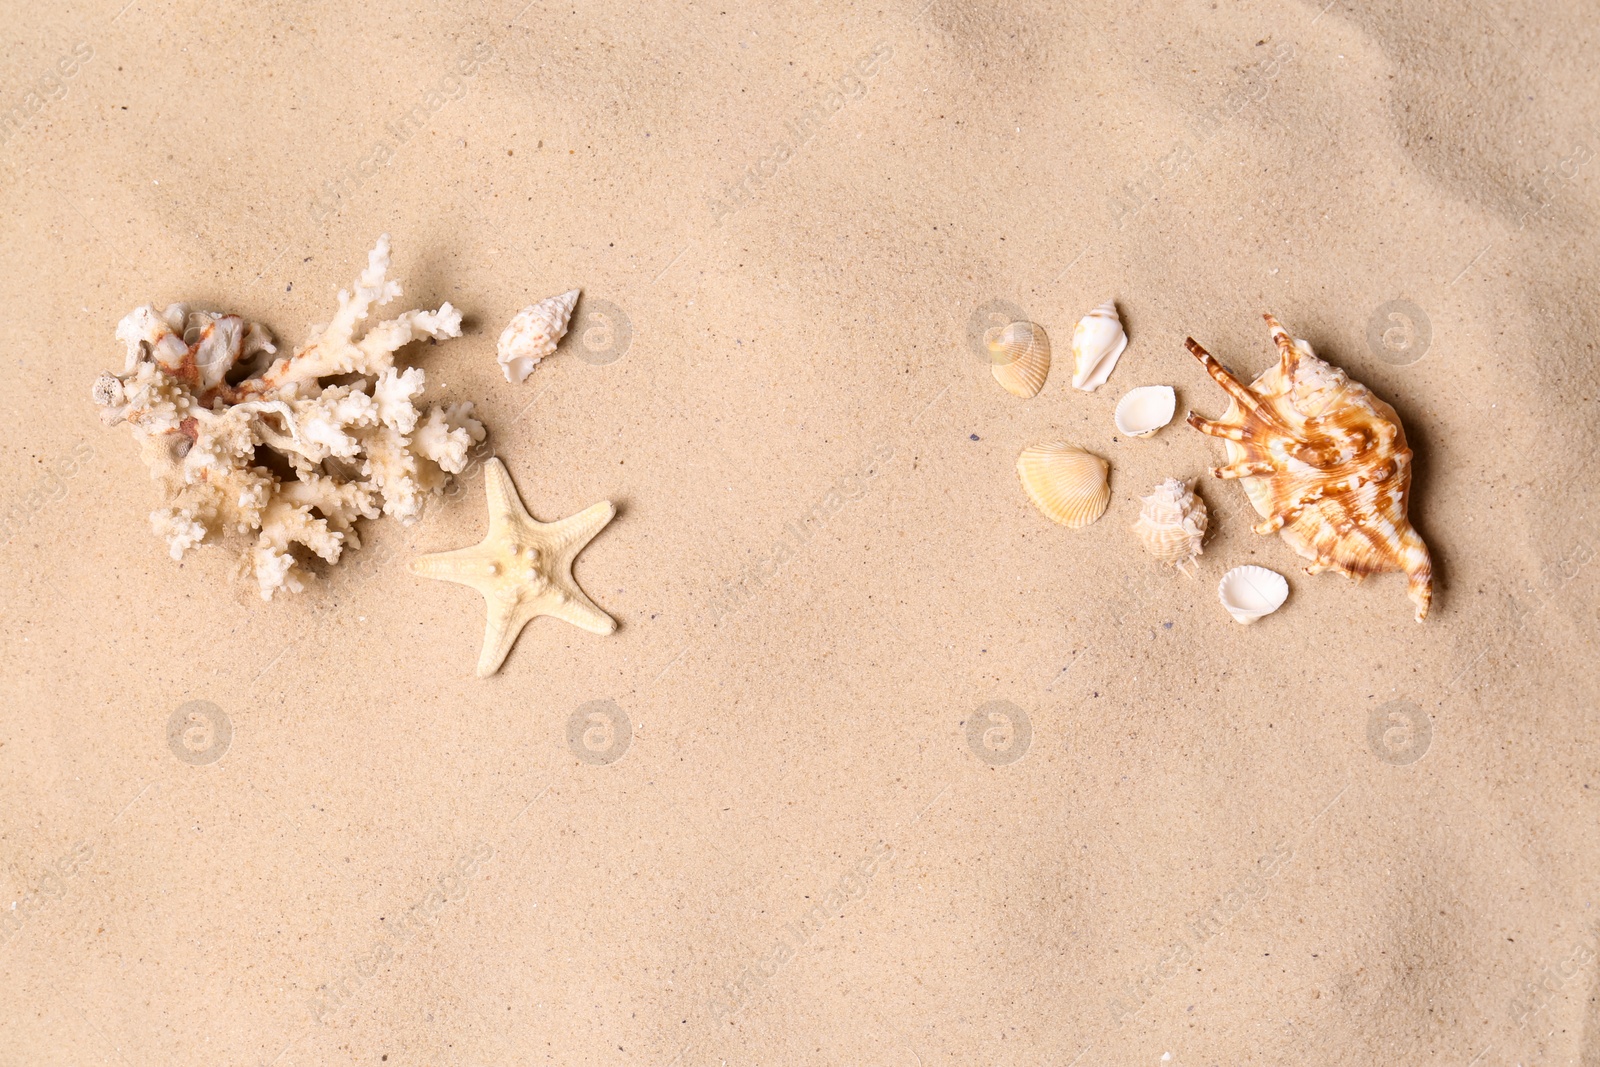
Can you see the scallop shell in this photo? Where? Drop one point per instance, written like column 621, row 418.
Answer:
column 1324, row 462
column 1145, row 410
column 1020, row 355
column 1097, row 342
column 1172, row 524
column 1066, row 483
column 1250, row 592
column 533, row 334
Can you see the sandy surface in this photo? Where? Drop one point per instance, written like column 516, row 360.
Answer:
column 1334, row 837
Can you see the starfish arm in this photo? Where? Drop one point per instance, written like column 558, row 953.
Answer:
column 575, row 531
column 506, row 620
column 504, row 503
column 464, row 566
column 576, row 607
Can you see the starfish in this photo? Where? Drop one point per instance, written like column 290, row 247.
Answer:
column 523, row 568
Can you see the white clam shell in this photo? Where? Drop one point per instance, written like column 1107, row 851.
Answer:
column 1145, row 410
column 1097, row 342
column 1250, row 592
column 533, row 334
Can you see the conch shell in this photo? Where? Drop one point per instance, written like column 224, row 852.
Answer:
column 1097, row 342
column 533, row 333
column 1172, row 524
column 1064, row 482
column 1020, row 356
column 1325, row 462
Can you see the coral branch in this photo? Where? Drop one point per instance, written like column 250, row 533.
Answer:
column 348, row 451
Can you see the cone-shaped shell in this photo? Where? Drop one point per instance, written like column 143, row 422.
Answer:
column 1097, row 342
column 1145, row 410
column 533, row 334
column 1172, row 524
column 1066, row 483
column 1019, row 354
column 1250, row 592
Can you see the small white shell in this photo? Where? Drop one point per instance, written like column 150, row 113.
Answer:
column 1250, row 592
column 1020, row 357
column 1097, row 342
column 533, row 334
column 1145, row 410
column 1064, row 482
column 1172, row 524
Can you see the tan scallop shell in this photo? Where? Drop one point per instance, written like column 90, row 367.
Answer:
column 1020, row 356
column 1066, row 483
column 1172, row 524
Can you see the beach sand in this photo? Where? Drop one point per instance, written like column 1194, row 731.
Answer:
column 881, row 767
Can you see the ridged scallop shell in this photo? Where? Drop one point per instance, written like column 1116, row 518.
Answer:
column 1251, row 592
column 1066, row 483
column 1019, row 354
column 1097, row 342
column 533, row 334
column 1324, row 462
column 1143, row 411
column 1172, row 524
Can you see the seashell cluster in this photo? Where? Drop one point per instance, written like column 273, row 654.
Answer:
column 1172, row 524
column 201, row 399
column 1066, row 483
column 1019, row 357
column 533, row 333
column 1097, row 342
column 1251, row 592
column 1145, row 410
column 1324, row 462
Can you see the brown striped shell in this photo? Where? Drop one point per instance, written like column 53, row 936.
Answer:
column 1324, row 462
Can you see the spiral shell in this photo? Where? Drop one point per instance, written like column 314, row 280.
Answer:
column 1251, row 592
column 1064, row 482
column 1324, row 462
column 1019, row 354
column 1097, row 343
column 1172, row 524
column 533, row 334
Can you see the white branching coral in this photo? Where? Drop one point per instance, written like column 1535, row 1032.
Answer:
column 241, row 442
